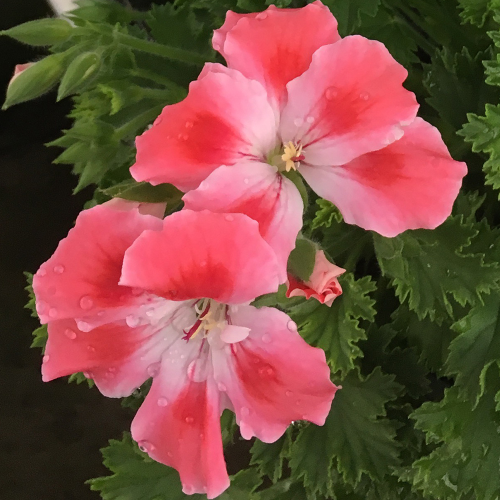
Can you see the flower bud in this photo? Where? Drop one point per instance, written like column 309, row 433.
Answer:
column 40, row 32
column 81, row 70
column 322, row 284
column 19, row 69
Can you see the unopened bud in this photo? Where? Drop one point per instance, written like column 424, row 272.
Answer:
column 79, row 72
column 41, row 32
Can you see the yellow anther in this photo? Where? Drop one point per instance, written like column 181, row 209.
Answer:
column 292, row 155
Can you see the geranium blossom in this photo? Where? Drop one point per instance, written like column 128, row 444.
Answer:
column 297, row 97
column 323, row 284
column 128, row 296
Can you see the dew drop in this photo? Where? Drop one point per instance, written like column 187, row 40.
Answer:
column 261, row 16
column 169, row 453
column 298, row 122
column 292, row 326
column 202, row 435
column 145, row 446
column 197, row 370
column 132, row 320
column 331, row 93
column 91, row 348
column 162, row 402
column 42, row 272
column 87, row 374
column 86, row 302
column 229, row 218
column 288, row 393
column 153, row 369
column 365, row 96
column 83, row 326
column 40, row 306
column 58, row 269
column 266, row 338
column 221, row 387
column 189, row 124
column 70, row 334
column 203, row 263
column 189, row 420
column 266, row 371
column 244, row 411
column 46, row 358
column 298, row 402
column 216, row 46
column 52, row 312
column 310, row 119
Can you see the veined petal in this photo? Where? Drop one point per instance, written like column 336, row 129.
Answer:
column 179, row 422
column 203, row 255
column 224, row 118
column 273, row 377
column 410, row 184
column 286, row 40
column 259, row 191
column 349, row 102
column 81, row 278
column 119, row 356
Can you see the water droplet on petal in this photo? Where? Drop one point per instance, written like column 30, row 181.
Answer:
column 310, row 119
column 266, row 371
column 40, row 306
column 216, row 46
column 172, row 293
column 221, row 387
column 86, row 302
column 83, row 326
column 46, row 358
column 288, row 393
column 189, row 124
column 197, row 370
column 145, row 446
column 298, row 402
column 244, row 411
column 298, row 122
column 365, row 96
column 132, row 320
column 41, row 272
column 59, row 269
column 261, row 16
column 189, row 420
column 70, row 334
column 331, row 93
column 52, row 312
column 153, row 369
column 162, row 402
column 246, row 181
column 292, row 326
column 169, row 453
column 266, row 338
column 229, row 218
column 203, row 263
column 91, row 348
column 87, row 374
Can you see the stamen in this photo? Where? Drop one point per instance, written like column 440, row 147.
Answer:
column 211, row 314
column 292, row 155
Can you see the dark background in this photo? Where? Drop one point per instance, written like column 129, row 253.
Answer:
column 50, row 433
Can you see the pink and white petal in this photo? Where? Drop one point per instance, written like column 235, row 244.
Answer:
column 224, row 118
column 203, row 255
column 273, row 377
column 258, row 190
column 410, row 184
column 349, row 102
column 287, row 39
column 156, row 209
column 179, row 422
column 81, row 278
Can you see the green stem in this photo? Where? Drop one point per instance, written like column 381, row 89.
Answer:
column 164, row 95
column 138, row 122
column 159, row 49
column 155, row 77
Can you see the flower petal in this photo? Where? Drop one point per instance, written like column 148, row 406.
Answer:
column 224, row 118
column 273, row 377
column 287, row 39
column 410, row 184
column 259, row 191
column 119, row 357
column 349, row 102
column 203, row 255
column 81, row 278
column 179, row 423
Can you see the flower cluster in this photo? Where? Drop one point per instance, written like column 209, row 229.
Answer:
column 130, row 295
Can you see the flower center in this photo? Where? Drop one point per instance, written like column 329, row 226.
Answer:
column 287, row 157
column 211, row 314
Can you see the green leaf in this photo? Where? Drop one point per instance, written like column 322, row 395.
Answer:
column 80, row 378
column 269, row 456
column 40, row 336
column 336, row 329
column 301, row 259
column 428, row 268
column 468, row 446
column 138, row 477
column 348, row 13
column 144, row 192
column 357, row 438
column 476, row 349
column 35, row 80
column 41, row 32
column 326, row 214
column 80, row 71
column 476, row 11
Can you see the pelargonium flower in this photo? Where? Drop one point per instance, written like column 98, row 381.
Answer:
column 323, row 284
column 128, row 296
column 297, row 97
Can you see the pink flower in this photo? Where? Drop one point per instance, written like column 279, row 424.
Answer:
column 301, row 98
column 323, row 284
column 129, row 296
column 19, row 69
